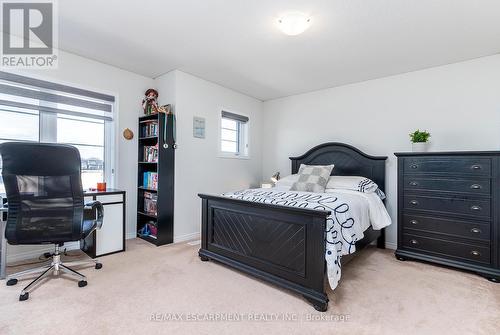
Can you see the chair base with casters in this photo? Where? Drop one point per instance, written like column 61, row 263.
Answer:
column 56, row 267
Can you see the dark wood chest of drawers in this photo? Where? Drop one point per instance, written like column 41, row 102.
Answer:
column 448, row 210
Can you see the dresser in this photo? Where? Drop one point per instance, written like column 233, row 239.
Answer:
column 448, row 210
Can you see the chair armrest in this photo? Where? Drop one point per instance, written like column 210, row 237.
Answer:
column 96, row 205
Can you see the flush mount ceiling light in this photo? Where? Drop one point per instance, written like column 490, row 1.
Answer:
column 294, row 23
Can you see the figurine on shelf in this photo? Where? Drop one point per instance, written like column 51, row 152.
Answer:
column 150, row 102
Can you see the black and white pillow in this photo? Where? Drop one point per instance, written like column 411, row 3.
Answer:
column 312, row 178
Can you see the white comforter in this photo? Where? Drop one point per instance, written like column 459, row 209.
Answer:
column 352, row 213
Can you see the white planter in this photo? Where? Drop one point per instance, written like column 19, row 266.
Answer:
column 420, row 146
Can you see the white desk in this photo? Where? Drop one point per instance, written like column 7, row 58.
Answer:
column 111, row 237
column 108, row 240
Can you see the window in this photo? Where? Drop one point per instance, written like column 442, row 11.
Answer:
column 233, row 135
column 40, row 111
column 88, row 135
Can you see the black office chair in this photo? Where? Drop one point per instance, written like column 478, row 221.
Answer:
column 45, row 201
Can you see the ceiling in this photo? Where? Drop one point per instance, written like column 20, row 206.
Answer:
column 236, row 44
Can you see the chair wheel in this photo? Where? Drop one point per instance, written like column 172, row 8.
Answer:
column 12, row 282
column 82, row 283
column 98, row 266
column 24, row 296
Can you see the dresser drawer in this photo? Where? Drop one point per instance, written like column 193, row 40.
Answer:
column 475, row 253
column 470, row 186
column 459, row 228
column 478, row 208
column 452, row 165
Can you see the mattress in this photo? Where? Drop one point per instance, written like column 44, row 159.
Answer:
column 352, row 213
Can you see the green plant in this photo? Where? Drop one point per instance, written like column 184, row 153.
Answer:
column 419, row 136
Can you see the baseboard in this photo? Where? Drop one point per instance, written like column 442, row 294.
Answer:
column 391, row 245
column 18, row 256
column 193, row 236
column 177, row 239
column 187, row 237
column 128, row 236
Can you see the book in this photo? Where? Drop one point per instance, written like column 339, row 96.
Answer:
column 150, row 180
column 150, row 203
column 150, row 153
column 149, row 129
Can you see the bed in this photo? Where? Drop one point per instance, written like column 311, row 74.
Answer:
column 280, row 244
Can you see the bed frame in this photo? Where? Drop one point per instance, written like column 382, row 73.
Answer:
column 284, row 245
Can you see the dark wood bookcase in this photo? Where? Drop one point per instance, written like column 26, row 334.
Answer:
column 164, row 167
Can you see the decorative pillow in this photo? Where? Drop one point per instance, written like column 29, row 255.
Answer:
column 312, row 178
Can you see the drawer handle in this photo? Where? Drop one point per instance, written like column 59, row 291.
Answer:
column 475, row 186
column 476, row 167
column 475, row 208
column 475, row 253
column 413, row 183
column 475, row 230
column 414, row 202
column 414, row 222
column 414, row 242
column 414, row 166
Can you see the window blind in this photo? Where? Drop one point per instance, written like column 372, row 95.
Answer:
column 34, row 94
column 236, row 117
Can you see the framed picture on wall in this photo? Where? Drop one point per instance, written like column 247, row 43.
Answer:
column 198, row 127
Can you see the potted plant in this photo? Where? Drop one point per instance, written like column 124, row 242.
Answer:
column 420, row 140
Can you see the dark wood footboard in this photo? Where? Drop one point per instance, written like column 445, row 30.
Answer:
column 282, row 245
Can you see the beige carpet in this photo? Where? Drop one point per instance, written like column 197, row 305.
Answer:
column 377, row 295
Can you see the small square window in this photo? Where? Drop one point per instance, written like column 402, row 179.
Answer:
column 233, row 135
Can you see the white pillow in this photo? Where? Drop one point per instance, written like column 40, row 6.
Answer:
column 288, row 181
column 338, row 182
column 360, row 184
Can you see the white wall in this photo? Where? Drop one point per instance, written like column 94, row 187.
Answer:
column 198, row 169
column 458, row 103
column 128, row 88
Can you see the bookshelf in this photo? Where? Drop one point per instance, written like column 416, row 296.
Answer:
column 155, row 178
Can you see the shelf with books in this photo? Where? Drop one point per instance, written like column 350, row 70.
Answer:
column 149, row 127
column 155, row 178
column 150, row 153
column 147, row 214
column 149, row 238
column 146, row 138
column 150, row 180
column 147, row 189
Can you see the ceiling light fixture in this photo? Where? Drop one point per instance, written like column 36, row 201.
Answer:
column 294, row 23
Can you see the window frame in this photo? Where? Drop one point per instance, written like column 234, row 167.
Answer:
column 47, row 127
column 243, row 130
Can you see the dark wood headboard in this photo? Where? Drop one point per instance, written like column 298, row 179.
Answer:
column 348, row 160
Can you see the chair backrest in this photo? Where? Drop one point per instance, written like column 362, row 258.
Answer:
column 44, row 192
